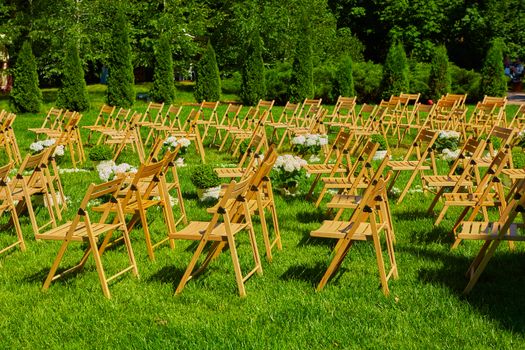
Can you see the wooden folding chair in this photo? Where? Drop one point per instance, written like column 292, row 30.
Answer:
column 171, row 122
column 29, row 182
column 493, row 233
column 222, row 233
column 103, row 120
column 52, row 120
column 423, row 148
column 152, row 115
column 83, row 230
column 518, row 120
column 7, row 204
column 70, row 138
column 505, row 137
column 288, row 114
column 343, row 114
column 190, row 130
column 229, row 119
column 362, row 225
column 213, row 119
column 249, row 160
column 117, row 123
column 488, row 193
column 465, row 164
column 8, row 138
column 129, row 136
column 357, row 176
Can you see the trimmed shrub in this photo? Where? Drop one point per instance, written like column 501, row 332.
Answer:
column 203, row 176
column 466, row 82
column 367, row 81
column 73, row 94
column 344, row 79
column 377, row 138
column 439, row 79
column 121, row 91
column 163, row 89
column 302, row 80
column 277, row 81
column 419, row 75
column 100, row 152
column 253, row 86
column 493, row 80
column 208, row 84
column 325, row 80
column 26, row 95
column 395, row 72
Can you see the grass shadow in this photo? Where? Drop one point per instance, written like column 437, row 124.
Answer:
column 308, row 274
column 167, row 275
column 307, row 217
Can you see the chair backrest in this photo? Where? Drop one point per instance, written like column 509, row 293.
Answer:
column 471, row 151
column 230, row 114
column 172, row 116
column 423, row 143
column 518, row 120
column 153, row 112
column 52, row 115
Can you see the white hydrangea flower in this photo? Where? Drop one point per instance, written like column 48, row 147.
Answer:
column 48, row 142
column 36, row 147
column 59, row 151
column 298, row 140
column 184, row 142
column 448, row 134
column 449, row 155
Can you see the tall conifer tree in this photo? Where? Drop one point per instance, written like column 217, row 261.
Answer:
column 253, row 87
column 395, row 72
column 208, row 85
column 439, row 80
column 163, row 89
column 26, row 95
column 493, row 80
column 73, row 94
column 302, row 81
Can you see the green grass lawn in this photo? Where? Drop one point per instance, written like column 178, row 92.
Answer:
column 282, row 309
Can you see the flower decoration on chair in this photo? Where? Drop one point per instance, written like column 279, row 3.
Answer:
column 447, row 139
column 172, row 142
column 289, row 171
column 107, row 170
column 309, row 143
column 39, row 146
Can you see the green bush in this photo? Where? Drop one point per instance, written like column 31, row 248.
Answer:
column 26, row 95
column 466, row 82
column 302, row 80
column 208, row 84
column 439, row 78
column 325, row 80
column 253, row 87
column 344, row 78
column 203, row 176
column 100, row 152
column 419, row 75
column 73, row 94
column 377, row 138
column 163, row 89
column 395, row 72
column 367, row 81
column 493, row 80
column 121, row 90
column 277, row 80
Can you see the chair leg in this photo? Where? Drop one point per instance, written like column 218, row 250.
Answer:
column 188, row 274
column 340, row 254
column 236, row 266
column 56, row 263
column 479, row 264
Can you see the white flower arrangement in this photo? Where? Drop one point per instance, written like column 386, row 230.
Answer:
column 107, row 169
column 309, row 143
column 289, row 170
column 39, row 146
column 172, row 142
column 449, row 155
column 447, row 139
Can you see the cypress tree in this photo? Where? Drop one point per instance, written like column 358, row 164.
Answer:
column 395, row 72
column 26, row 95
column 73, row 94
column 439, row 80
column 344, row 81
column 121, row 92
column 493, row 80
column 253, row 86
column 302, row 81
column 208, row 84
column 163, row 89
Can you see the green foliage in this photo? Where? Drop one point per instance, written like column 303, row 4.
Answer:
column 324, row 82
column 395, row 72
column 302, row 80
column 447, row 141
column 203, row 176
column 253, row 87
column 277, row 81
column 100, row 152
column 493, row 80
column 208, row 85
column 26, row 95
column 367, row 81
column 73, row 94
column 419, row 76
column 163, row 89
column 344, row 79
column 466, row 82
column 377, row 138
column 439, row 79
column 121, row 92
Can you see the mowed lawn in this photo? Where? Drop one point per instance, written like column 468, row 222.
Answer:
column 282, row 309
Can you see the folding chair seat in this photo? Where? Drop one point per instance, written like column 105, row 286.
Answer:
column 363, row 225
column 221, row 234
column 488, row 192
column 7, row 205
column 137, row 199
column 423, row 148
column 249, row 160
column 82, row 229
column 171, row 123
column 493, row 233
column 505, row 137
column 117, row 123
